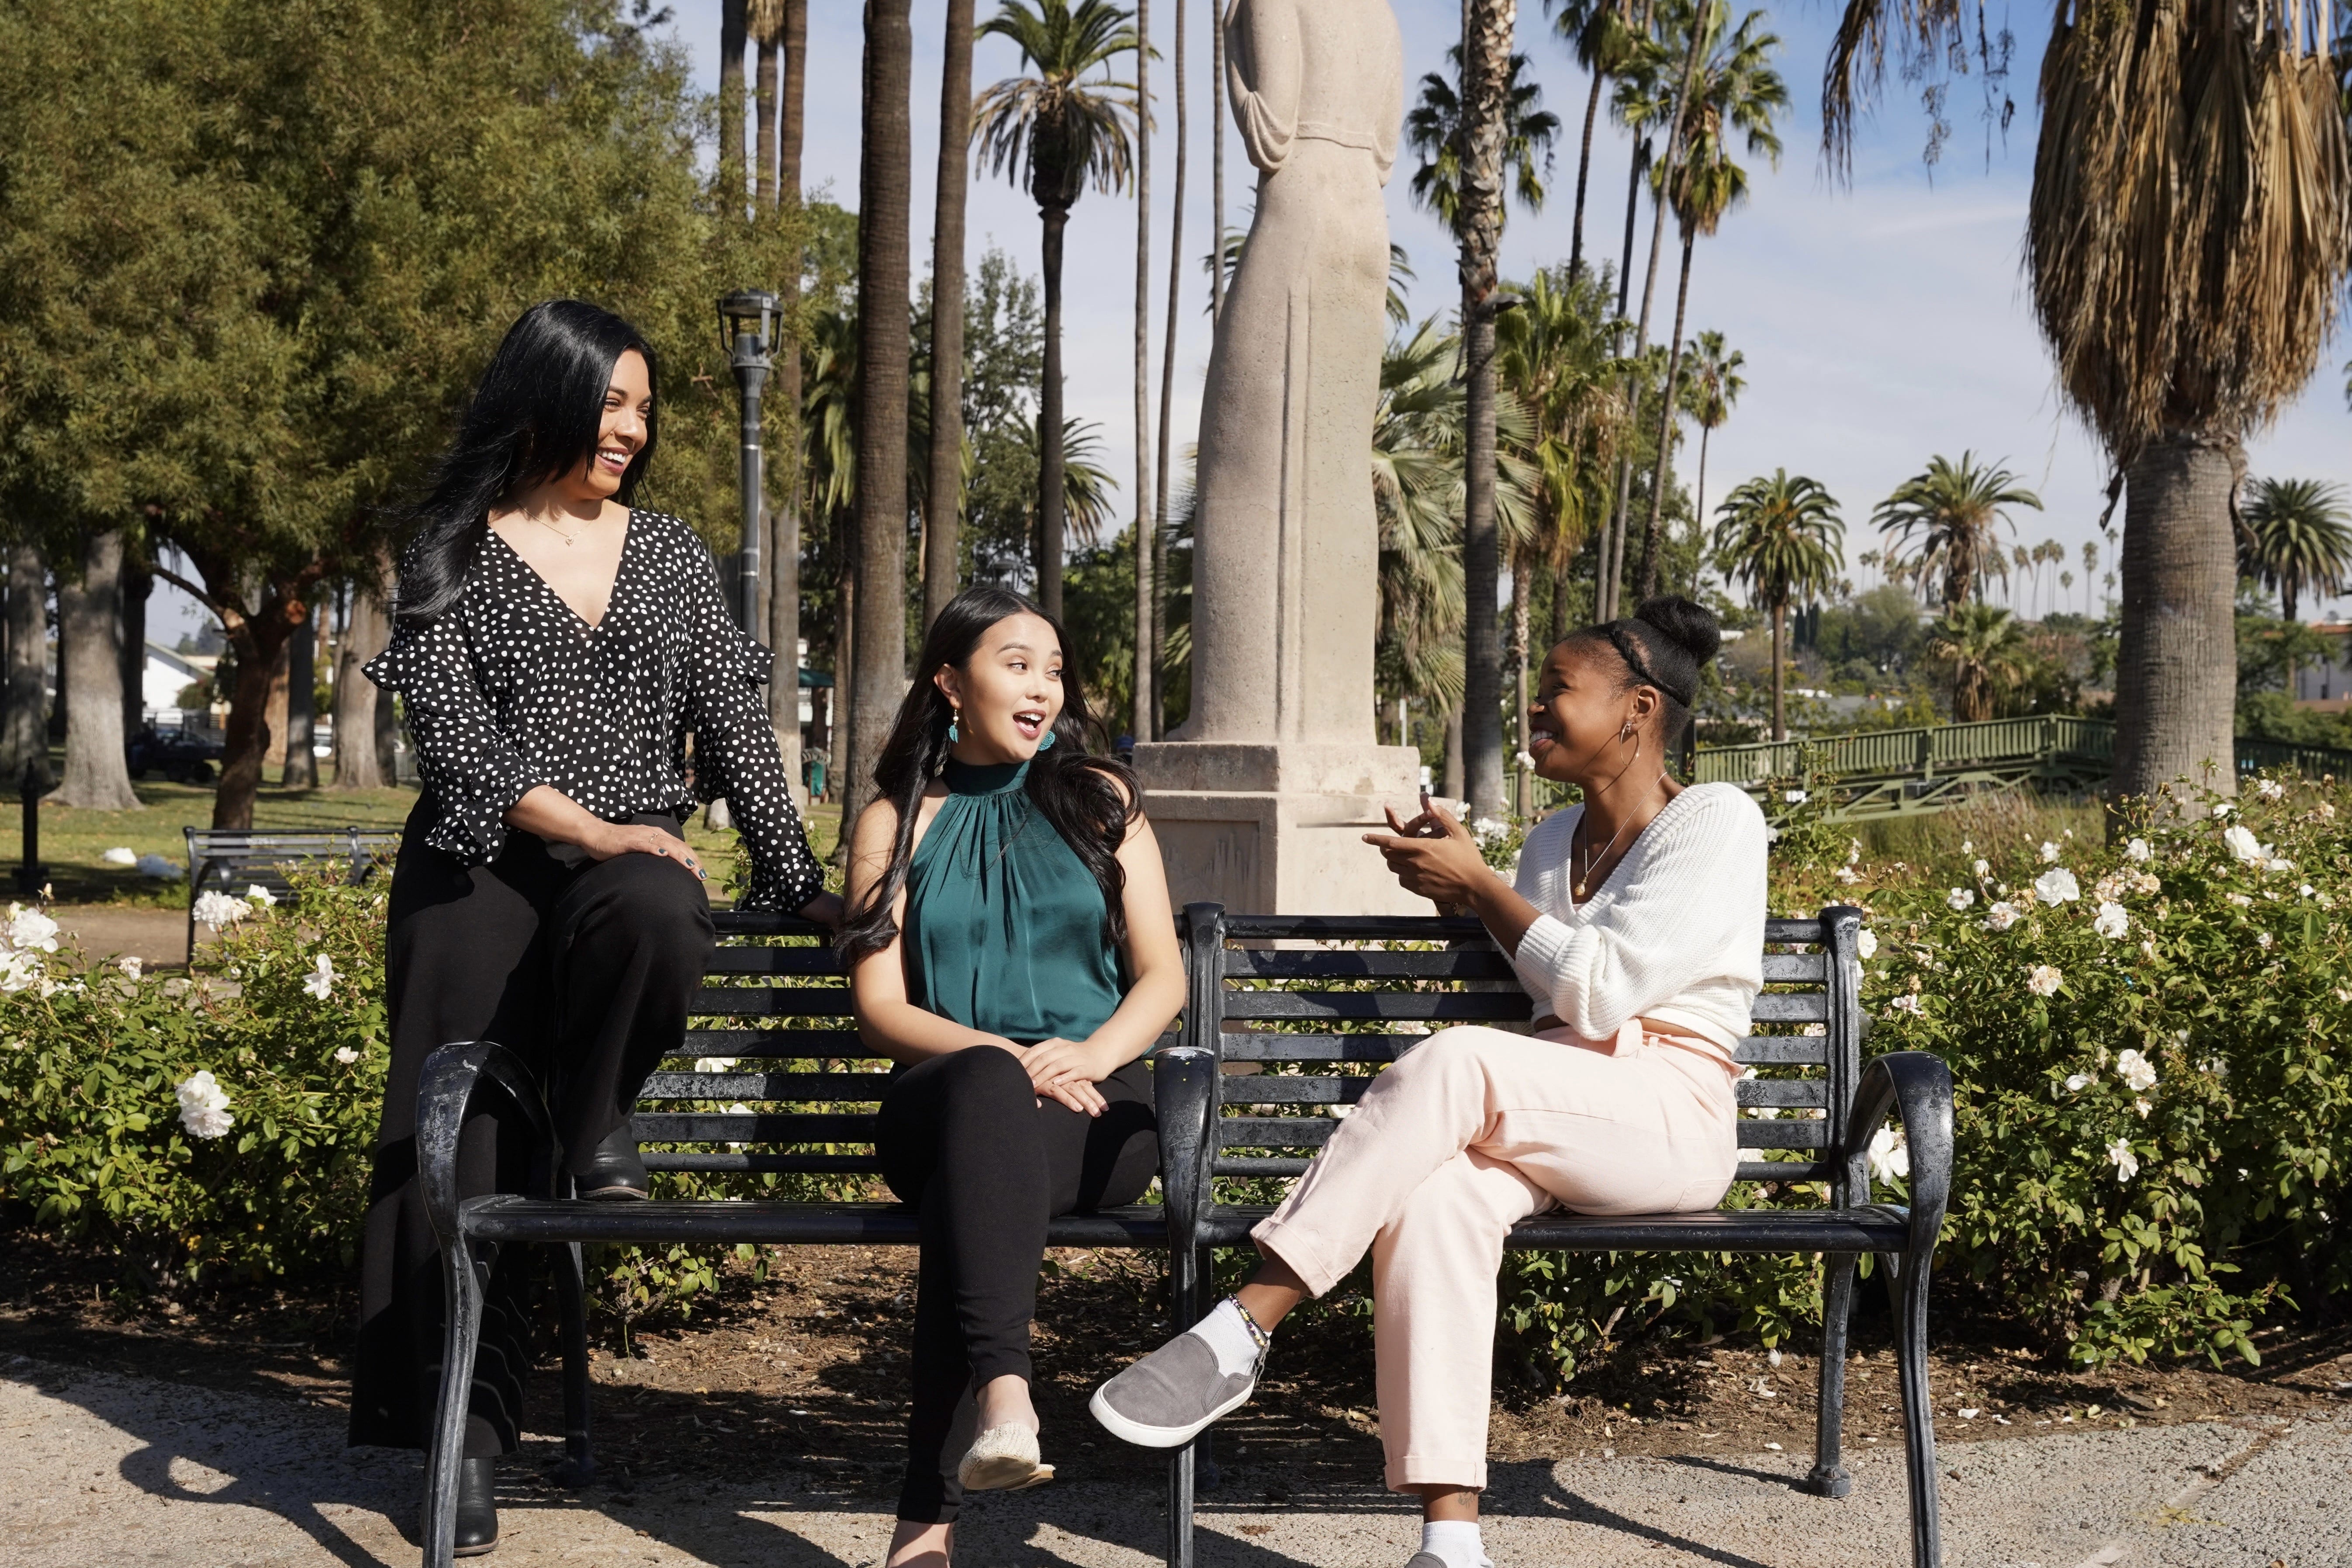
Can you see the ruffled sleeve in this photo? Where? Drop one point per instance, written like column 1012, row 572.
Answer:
column 735, row 751
column 473, row 771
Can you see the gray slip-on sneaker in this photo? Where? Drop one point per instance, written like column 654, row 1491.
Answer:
column 1166, row 1399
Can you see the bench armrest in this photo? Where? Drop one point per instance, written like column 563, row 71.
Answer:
column 1917, row 1088
column 452, row 1078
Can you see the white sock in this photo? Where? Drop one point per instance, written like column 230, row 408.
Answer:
column 1228, row 1331
column 1456, row 1541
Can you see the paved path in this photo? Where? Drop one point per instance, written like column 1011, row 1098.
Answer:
column 102, row 930
column 102, row 1471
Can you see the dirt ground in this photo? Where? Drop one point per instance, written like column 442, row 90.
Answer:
column 809, row 1367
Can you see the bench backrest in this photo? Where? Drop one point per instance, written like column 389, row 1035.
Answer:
column 223, row 856
column 1300, row 1011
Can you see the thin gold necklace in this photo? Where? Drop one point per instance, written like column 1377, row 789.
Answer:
column 569, row 539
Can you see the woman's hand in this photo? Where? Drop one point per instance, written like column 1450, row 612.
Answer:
column 628, row 838
column 1068, row 1071
column 1443, row 865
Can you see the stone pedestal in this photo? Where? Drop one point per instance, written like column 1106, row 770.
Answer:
column 1267, row 829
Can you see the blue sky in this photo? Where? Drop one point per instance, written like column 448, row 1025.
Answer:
column 1882, row 322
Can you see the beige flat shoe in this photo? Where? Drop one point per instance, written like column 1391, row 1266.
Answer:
column 1003, row 1459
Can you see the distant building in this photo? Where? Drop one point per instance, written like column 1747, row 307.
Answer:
column 2328, row 681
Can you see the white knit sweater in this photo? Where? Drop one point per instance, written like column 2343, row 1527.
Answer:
column 1676, row 933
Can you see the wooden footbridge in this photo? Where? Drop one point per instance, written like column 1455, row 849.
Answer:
column 1904, row 773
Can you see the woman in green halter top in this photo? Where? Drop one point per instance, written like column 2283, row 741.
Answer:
column 1012, row 948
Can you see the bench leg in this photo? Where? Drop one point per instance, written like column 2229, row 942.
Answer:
column 578, row 1447
column 461, row 1331
column 1830, row 1478
column 1205, row 1474
column 1185, row 1277
column 1907, row 1292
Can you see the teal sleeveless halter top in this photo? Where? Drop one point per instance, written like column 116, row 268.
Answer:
column 1005, row 923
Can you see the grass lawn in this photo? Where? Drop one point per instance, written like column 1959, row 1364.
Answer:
column 72, row 839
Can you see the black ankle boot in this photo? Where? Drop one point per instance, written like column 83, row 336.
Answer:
column 615, row 1172
column 477, row 1509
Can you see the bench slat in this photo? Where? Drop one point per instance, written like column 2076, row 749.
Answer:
column 786, row 1164
column 507, row 1218
column 1791, row 1007
column 1468, row 1006
column 1369, row 963
column 774, row 960
column 863, row 1087
column 1783, row 1050
column 761, row 1127
column 1748, row 1170
column 802, row 1044
column 1796, row 968
column 1879, row 1228
column 1266, row 1046
column 772, row 1002
column 1804, row 1093
column 1275, row 1132
column 1799, row 1132
column 1267, row 1089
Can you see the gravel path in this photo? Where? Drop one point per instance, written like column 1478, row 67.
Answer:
column 103, row 1472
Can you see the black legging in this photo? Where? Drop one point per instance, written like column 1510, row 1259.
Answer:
column 582, row 967
column 963, row 1139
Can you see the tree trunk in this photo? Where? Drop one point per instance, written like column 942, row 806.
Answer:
column 1583, row 171
column 1608, row 567
column 25, row 726
column 1646, row 581
column 2175, row 667
column 1138, row 721
column 275, row 715
column 1780, row 637
column 302, row 767
column 942, row 517
column 1522, row 608
column 366, row 633
column 1153, row 631
column 1698, row 507
column 1454, row 771
column 137, row 584
column 763, row 125
column 1050, row 479
column 785, row 530
column 1216, row 161
column 731, row 39
column 89, row 641
column 1485, row 67
column 883, row 192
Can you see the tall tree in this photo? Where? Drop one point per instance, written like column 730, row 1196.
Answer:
column 1709, row 395
column 2187, row 241
column 1987, row 651
column 1055, row 130
column 1603, row 42
column 792, row 479
column 1151, row 630
column 733, row 34
column 884, row 193
column 1469, row 143
column 1946, row 523
column 764, row 19
column 2298, row 536
column 943, row 496
column 300, row 769
column 367, row 631
column 89, row 653
column 1145, row 519
column 1781, row 536
column 25, row 723
column 1736, row 90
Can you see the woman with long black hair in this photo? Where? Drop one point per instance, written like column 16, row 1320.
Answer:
column 556, row 647
column 1012, row 948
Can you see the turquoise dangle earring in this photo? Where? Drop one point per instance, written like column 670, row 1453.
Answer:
column 956, row 716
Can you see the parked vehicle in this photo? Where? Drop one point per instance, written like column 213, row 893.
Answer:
column 177, row 755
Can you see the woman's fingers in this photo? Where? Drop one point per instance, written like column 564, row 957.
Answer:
column 665, row 846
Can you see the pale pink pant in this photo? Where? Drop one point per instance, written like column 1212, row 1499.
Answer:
column 1474, row 1130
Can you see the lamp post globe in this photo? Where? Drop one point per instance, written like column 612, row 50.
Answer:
column 748, row 325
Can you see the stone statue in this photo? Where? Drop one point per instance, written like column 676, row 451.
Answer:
column 1285, row 585
column 1261, row 799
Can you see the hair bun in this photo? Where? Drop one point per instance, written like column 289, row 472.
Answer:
column 1689, row 627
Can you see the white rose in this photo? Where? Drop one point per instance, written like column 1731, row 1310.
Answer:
column 217, row 910
column 2044, row 979
column 1983, row 869
column 1889, row 1158
column 256, row 893
column 2271, row 789
column 2126, row 1163
column 2000, row 917
column 2057, row 886
column 1909, row 1003
column 2137, row 1071
column 345, row 1055
column 1794, row 797
column 1960, row 898
column 321, row 978
column 2077, row 1082
column 132, row 966
column 31, row 930
column 204, row 1106
column 2137, row 849
column 2242, row 844
column 1866, row 944
column 2050, row 853
column 2112, row 923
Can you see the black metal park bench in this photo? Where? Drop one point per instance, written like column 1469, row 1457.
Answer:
column 231, row 860
column 1290, row 997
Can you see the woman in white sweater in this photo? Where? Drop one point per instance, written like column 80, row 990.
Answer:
column 1637, row 926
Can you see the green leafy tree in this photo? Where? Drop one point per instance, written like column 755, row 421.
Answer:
column 1056, row 131
column 1432, row 129
column 1946, row 523
column 1987, row 651
column 1710, row 392
column 1781, row 536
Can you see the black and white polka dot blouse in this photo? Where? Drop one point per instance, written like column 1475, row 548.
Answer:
column 510, row 689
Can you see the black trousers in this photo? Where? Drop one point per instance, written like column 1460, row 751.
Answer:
column 585, row 968
column 963, row 1139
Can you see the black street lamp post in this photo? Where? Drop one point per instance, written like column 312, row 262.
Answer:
column 747, row 328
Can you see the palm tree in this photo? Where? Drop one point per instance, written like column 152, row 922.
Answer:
column 784, row 537
column 1736, row 89
column 1144, row 523
column 1056, row 131
column 1953, row 511
column 943, row 495
column 2090, row 571
column 2187, row 244
column 2048, row 553
column 733, row 25
column 1987, row 650
column 2298, row 535
column 1416, row 498
column 1783, row 538
column 1597, row 30
column 885, row 183
column 1467, row 145
column 1713, row 386
column 2022, row 558
column 1151, row 597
